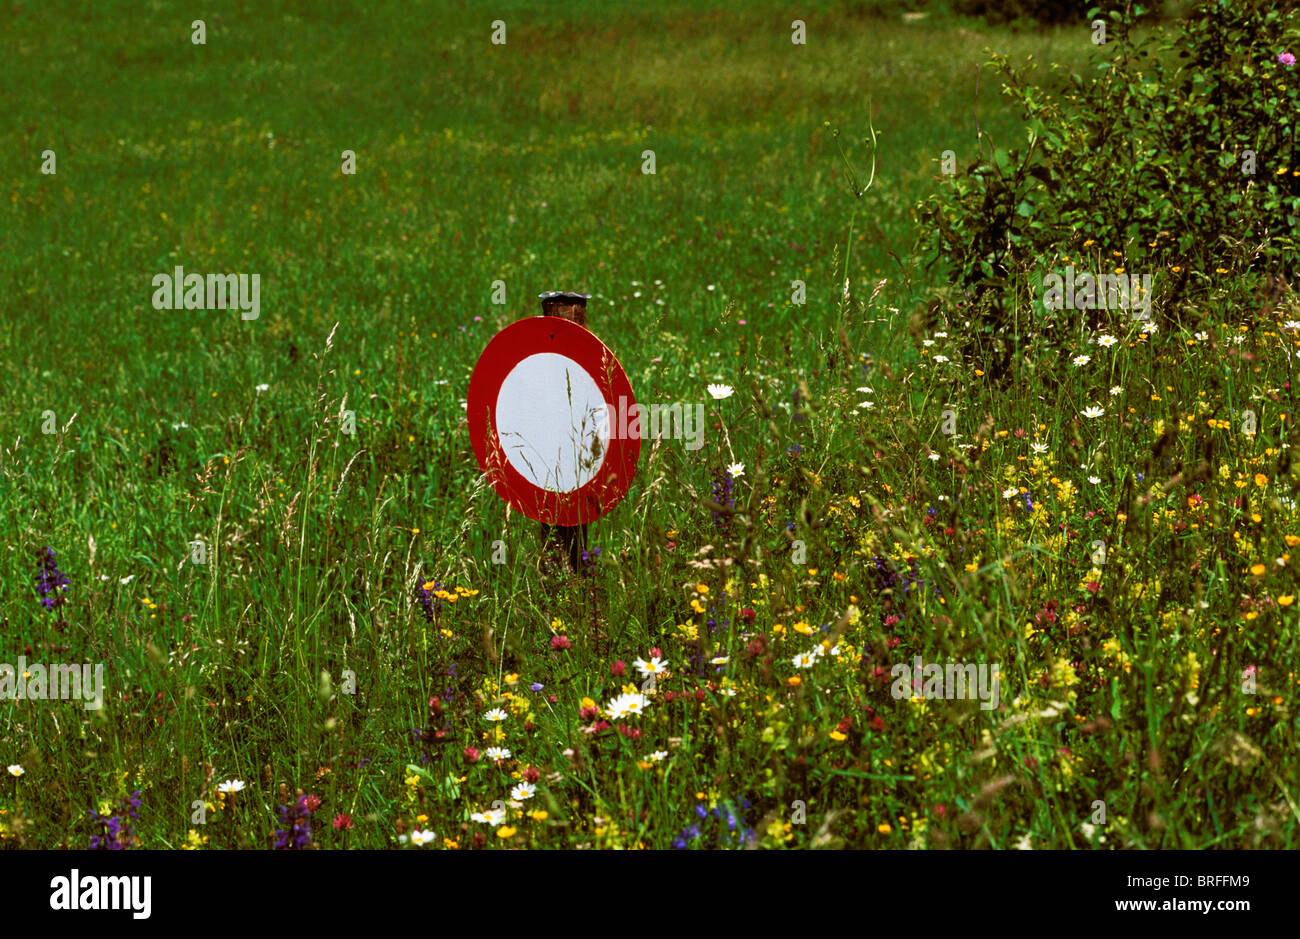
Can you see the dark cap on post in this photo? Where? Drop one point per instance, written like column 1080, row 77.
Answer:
column 565, row 304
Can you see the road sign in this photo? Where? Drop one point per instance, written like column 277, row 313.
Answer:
column 540, row 403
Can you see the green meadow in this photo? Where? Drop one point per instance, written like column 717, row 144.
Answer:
column 321, row 628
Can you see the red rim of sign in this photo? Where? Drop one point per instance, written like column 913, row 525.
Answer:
column 508, row 348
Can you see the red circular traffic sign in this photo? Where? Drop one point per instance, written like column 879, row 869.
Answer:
column 544, row 403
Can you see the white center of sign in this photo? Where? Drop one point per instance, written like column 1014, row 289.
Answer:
column 553, row 422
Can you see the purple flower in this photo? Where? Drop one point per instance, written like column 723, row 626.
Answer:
column 296, row 833
column 50, row 581
column 1286, row 59
column 536, row 686
column 114, row 831
column 429, row 604
column 723, row 496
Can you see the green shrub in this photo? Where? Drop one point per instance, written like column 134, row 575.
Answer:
column 1144, row 165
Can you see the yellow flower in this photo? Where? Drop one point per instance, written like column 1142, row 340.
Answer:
column 539, row 815
column 702, row 588
column 884, row 828
column 505, row 831
column 793, row 681
column 1258, row 569
column 837, row 736
column 1286, row 600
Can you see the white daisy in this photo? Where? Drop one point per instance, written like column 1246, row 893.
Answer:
column 1107, row 341
column 656, row 666
column 720, row 391
column 1010, row 493
column 231, row 785
column 497, row 753
column 1093, row 411
column 1094, row 479
column 626, row 705
column 492, row 817
column 15, row 770
column 804, row 660
column 422, row 837
column 1081, row 360
column 525, row 790
column 1115, row 389
column 656, row 756
column 736, row 470
column 1038, row 447
column 718, row 660
column 496, row 714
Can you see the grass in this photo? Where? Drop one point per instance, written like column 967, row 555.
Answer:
column 1121, row 679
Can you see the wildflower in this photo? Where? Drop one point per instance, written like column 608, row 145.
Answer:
column 626, row 705
column 490, row 817
column 736, row 470
column 523, row 791
column 1093, row 411
column 656, row 666
column 260, row 388
column 231, row 786
column 719, row 392
column 1094, row 479
column 114, row 832
column 505, row 831
column 343, row 822
column 1081, row 360
column 804, row 660
column 657, row 756
column 1107, row 341
column 1038, row 447
column 536, row 686
column 430, row 597
column 496, row 714
column 15, row 770
column 723, row 497
column 618, row 669
column 940, row 359
column 422, row 837
column 560, row 642
column 1287, row 59
column 1115, row 389
column 497, row 753
column 1010, row 493
column 51, row 581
